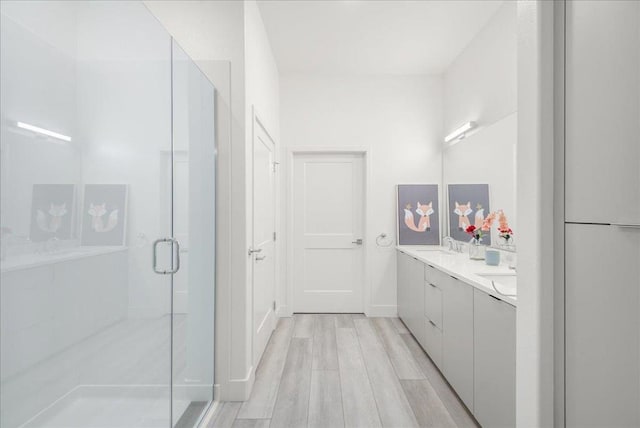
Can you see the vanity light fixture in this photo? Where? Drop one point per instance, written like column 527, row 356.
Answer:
column 43, row 131
column 460, row 133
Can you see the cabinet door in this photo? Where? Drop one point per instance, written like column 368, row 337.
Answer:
column 603, row 111
column 602, row 326
column 457, row 337
column 433, row 303
column 494, row 368
column 403, row 270
column 416, row 317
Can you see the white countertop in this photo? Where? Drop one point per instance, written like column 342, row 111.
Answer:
column 460, row 266
column 31, row 260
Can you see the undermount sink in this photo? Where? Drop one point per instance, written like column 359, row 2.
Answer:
column 436, row 251
column 509, row 280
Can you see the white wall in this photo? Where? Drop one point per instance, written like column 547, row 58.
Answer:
column 263, row 101
column 398, row 120
column 481, row 86
column 261, row 71
column 535, row 321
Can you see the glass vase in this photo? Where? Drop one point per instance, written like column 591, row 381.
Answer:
column 477, row 251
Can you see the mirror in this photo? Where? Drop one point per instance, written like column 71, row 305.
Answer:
column 487, row 155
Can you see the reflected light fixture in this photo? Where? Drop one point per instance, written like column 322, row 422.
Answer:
column 461, row 132
column 43, row 131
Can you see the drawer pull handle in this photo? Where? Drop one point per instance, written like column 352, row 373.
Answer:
column 432, row 323
column 626, row 225
column 432, row 285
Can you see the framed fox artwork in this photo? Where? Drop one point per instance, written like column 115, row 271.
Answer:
column 418, row 211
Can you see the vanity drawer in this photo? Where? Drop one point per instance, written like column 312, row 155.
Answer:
column 433, row 303
column 429, row 273
column 433, row 343
column 434, row 276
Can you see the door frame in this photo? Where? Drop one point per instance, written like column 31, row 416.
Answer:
column 292, row 152
column 257, row 121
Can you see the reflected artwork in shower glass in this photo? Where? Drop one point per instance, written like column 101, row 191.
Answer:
column 90, row 335
column 52, row 208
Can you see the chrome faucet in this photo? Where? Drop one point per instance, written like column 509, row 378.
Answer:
column 453, row 245
column 449, row 241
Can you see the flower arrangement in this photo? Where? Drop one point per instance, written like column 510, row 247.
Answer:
column 504, row 231
column 476, row 233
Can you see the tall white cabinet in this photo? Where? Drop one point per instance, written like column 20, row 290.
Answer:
column 602, row 231
column 602, row 326
column 602, row 112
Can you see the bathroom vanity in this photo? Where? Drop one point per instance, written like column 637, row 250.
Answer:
column 467, row 328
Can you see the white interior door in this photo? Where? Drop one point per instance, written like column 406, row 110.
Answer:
column 328, row 216
column 263, row 249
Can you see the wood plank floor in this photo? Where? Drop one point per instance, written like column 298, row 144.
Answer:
column 340, row 370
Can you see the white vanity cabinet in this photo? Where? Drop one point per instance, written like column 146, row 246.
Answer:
column 468, row 334
column 494, row 366
column 457, row 337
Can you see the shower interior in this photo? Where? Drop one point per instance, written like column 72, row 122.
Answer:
column 108, row 144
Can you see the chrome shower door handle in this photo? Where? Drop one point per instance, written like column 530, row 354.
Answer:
column 175, row 250
column 176, row 268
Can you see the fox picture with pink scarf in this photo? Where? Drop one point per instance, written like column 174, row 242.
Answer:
column 468, row 205
column 418, row 219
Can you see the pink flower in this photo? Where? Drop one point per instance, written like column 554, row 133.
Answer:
column 502, row 220
column 488, row 222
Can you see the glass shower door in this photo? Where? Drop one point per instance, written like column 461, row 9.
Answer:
column 194, row 171
column 87, row 164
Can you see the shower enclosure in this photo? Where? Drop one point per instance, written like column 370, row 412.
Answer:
column 108, row 164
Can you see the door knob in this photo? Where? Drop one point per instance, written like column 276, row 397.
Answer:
column 357, row 241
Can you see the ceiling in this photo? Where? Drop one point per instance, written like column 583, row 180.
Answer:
column 372, row 37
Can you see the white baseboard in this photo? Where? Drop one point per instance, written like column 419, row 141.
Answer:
column 283, row 311
column 236, row 389
column 384, row 311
